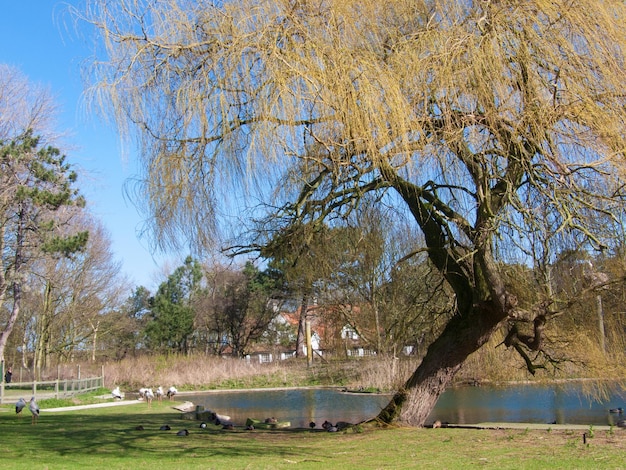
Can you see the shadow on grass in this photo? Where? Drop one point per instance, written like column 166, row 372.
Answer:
column 115, row 432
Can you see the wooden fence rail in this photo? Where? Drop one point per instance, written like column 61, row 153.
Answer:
column 60, row 388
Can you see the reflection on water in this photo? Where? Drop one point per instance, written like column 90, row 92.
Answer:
column 550, row 403
column 299, row 406
column 465, row 405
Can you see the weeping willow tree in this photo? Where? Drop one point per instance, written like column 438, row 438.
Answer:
column 470, row 116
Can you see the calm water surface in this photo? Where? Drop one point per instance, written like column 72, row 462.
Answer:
column 299, row 406
column 550, row 403
column 563, row 404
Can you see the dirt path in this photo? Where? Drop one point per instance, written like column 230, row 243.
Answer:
column 95, row 405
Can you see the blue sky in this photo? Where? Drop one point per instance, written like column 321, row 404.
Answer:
column 38, row 38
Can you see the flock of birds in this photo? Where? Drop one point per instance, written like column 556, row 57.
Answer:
column 144, row 393
column 32, row 406
column 165, row 427
column 327, row 426
column 148, row 394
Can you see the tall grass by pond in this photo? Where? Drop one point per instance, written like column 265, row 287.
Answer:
column 109, row 438
column 492, row 363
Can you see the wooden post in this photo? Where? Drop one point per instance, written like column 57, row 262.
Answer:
column 1, row 382
column 309, row 347
column 600, row 311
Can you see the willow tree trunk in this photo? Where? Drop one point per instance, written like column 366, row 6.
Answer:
column 464, row 335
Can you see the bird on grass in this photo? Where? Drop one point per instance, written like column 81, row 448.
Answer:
column 149, row 397
column 328, row 426
column 159, row 393
column 171, row 392
column 182, row 432
column 19, row 406
column 34, row 410
column 116, row 393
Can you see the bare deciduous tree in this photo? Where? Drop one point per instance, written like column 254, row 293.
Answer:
column 24, row 105
column 69, row 301
column 469, row 115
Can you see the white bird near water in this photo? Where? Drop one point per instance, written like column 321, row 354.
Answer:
column 34, row 409
column 159, row 393
column 171, row 392
column 19, row 406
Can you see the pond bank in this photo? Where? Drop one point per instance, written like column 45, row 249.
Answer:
column 537, row 427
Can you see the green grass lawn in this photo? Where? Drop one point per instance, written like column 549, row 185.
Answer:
column 107, row 438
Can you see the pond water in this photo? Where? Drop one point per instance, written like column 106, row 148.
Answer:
column 298, row 406
column 569, row 403
column 562, row 404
